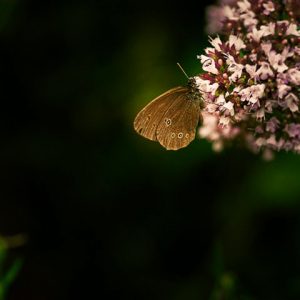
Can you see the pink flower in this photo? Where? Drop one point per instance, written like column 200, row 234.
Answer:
column 208, row 128
column 292, row 102
column 268, row 29
column 293, row 130
column 230, row 107
column 252, row 93
column 208, row 64
column 265, row 71
column 255, row 34
column 205, row 86
column 216, row 43
column 230, row 13
column 272, row 125
column 266, row 47
column 292, row 30
column 249, row 19
column 269, row 7
column 224, row 121
column 251, row 70
column 220, row 100
column 237, row 42
column 277, row 61
column 244, row 5
column 234, row 68
column 251, row 79
column 283, row 89
column 294, row 76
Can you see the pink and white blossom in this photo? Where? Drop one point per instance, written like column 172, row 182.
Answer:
column 208, row 64
column 237, row 42
column 251, row 84
column 294, row 75
column 269, row 7
column 265, row 71
column 292, row 102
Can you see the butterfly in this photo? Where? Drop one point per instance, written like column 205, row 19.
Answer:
column 172, row 118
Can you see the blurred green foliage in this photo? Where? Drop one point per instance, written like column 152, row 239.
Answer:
column 9, row 273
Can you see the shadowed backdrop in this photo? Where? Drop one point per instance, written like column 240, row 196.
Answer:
column 108, row 214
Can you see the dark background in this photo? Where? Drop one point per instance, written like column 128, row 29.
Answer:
column 108, row 214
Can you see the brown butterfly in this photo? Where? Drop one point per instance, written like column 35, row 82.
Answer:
column 171, row 118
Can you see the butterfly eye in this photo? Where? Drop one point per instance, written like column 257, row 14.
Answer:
column 173, row 135
column 187, row 135
column 168, row 121
column 180, row 135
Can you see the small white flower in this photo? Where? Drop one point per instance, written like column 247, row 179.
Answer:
column 297, row 50
column 269, row 105
column 237, row 42
column 266, row 46
column 292, row 30
column 287, row 52
column 292, row 102
column 208, row 64
column 277, row 61
column 216, row 42
column 230, row 13
column 272, row 140
column 224, row 121
column 244, row 5
column 255, row 34
column 245, row 94
column 260, row 142
column 237, row 89
column 251, row 70
column 249, row 19
column 211, row 107
column 268, row 29
column 269, row 7
column 234, row 68
column 208, row 51
column 220, row 100
column 283, row 89
column 205, row 86
column 213, row 87
column 230, row 107
column 252, row 93
column 265, row 71
column 294, row 75
column 258, row 89
column 209, row 127
column 229, row 59
column 272, row 125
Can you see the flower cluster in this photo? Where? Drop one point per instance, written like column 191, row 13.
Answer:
column 251, row 79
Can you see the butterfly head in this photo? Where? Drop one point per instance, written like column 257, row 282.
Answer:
column 194, row 90
column 192, row 83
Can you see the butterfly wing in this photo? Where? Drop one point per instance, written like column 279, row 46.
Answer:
column 148, row 119
column 178, row 126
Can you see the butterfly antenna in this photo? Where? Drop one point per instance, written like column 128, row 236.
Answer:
column 181, row 68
